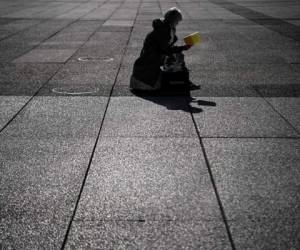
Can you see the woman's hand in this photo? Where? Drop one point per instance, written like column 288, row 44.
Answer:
column 187, row 47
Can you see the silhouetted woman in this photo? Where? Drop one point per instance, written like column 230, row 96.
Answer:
column 158, row 44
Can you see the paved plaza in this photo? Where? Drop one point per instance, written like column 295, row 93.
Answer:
column 86, row 164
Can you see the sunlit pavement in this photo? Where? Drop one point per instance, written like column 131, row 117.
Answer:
column 86, row 164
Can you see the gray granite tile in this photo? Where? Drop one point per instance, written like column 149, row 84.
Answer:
column 267, row 233
column 241, row 117
column 24, row 79
column 255, row 57
column 243, row 74
column 109, row 28
column 278, row 90
column 149, row 179
column 69, row 76
column 148, row 235
column 256, row 178
column 19, row 88
column 59, row 117
column 289, row 108
column 40, row 182
column 103, row 12
column 197, row 55
column 103, row 44
column 224, row 90
column 125, row 13
column 148, row 117
column 46, row 55
column 79, row 12
column 124, row 74
column 9, row 106
column 13, row 72
column 75, row 88
column 19, row 24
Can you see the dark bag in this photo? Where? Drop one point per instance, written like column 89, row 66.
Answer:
column 174, row 79
column 174, row 73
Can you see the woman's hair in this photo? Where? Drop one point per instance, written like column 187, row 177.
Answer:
column 173, row 14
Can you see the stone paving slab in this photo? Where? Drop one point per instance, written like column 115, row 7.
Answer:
column 252, row 177
column 243, row 74
column 148, row 117
column 102, row 13
column 80, row 11
column 241, row 117
column 86, row 73
column 266, row 233
column 62, row 117
column 153, row 187
column 104, row 44
column 257, row 180
column 40, row 181
column 10, row 105
column 288, row 108
column 26, row 72
column 16, row 26
column 148, row 179
column 46, row 55
column 148, row 235
column 125, row 23
column 278, row 90
column 44, row 155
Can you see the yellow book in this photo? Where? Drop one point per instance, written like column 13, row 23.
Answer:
column 192, row 39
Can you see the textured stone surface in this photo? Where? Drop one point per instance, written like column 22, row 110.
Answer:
column 46, row 55
column 44, row 155
column 266, row 233
column 10, row 105
column 149, row 179
column 40, row 181
column 289, row 108
column 257, row 180
column 148, row 117
column 241, row 117
column 256, row 177
column 148, row 186
column 25, row 73
column 148, row 235
column 59, row 117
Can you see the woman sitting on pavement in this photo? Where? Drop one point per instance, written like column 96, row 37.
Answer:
column 158, row 46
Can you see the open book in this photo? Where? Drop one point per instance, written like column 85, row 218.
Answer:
column 192, row 39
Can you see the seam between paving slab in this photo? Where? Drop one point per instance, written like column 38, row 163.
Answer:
column 42, row 20
column 30, row 99
column 43, row 85
column 275, row 110
column 222, row 210
column 261, row 19
column 52, row 35
column 31, row 26
column 101, row 125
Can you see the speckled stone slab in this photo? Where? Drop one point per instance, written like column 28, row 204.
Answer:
column 258, row 183
column 192, row 234
column 46, row 55
column 289, row 108
column 148, row 117
column 148, row 179
column 241, row 117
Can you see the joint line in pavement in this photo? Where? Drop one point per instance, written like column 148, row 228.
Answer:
column 213, row 181
column 98, row 136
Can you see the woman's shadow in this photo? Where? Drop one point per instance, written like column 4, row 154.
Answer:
column 175, row 98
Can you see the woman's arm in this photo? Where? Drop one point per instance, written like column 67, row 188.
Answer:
column 167, row 49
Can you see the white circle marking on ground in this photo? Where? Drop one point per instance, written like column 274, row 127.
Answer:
column 86, row 59
column 75, row 92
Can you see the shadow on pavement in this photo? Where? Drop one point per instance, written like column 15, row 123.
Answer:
column 176, row 99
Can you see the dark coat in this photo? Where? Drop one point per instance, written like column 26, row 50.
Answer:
column 156, row 46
